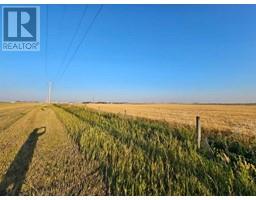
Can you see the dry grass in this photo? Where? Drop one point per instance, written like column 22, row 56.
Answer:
column 69, row 150
column 12, row 106
column 9, row 114
column 38, row 158
column 139, row 156
column 234, row 118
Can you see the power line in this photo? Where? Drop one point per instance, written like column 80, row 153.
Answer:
column 46, row 46
column 62, row 21
column 74, row 36
column 81, row 42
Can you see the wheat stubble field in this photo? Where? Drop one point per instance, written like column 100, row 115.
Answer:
column 62, row 149
column 239, row 119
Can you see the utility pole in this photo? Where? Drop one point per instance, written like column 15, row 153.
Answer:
column 49, row 92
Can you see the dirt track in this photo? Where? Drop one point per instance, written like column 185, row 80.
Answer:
column 38, row 158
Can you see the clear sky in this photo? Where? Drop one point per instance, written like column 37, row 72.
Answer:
column 140, row 53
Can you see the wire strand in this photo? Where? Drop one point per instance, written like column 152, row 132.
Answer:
column 46, row 47
column 73, row 38
column 81, row 42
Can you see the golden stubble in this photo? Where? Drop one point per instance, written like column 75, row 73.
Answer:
column 235, row 118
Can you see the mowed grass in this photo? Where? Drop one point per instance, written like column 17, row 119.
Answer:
column 38, row 158
column 6, row 106
column 238, row 119
column 140, row 156
column 11, row 113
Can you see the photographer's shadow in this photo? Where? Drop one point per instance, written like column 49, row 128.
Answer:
column 13, row 179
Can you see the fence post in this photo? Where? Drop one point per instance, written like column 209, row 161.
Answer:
column 198, row 131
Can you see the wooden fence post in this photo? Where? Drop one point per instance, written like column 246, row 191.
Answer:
column 198, row 131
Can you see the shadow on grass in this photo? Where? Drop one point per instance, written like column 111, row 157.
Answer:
column 13, row 179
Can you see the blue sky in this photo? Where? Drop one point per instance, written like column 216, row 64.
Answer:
column 140, row 53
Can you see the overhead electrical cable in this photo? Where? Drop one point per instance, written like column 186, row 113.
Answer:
column 46, row 46
column 81, row 42
column 78, row 27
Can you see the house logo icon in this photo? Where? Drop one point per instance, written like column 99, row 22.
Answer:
column 21, row 28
